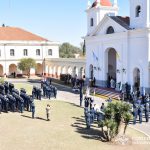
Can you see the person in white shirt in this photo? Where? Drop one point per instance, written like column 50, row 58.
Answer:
column 48, row 112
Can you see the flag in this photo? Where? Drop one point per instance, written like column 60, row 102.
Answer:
column 117, row 55
column 95, row 57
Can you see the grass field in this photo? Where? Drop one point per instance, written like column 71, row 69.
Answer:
column 65, row 131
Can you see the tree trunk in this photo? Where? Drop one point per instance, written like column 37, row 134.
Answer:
column 28, row 73
column 120, row 128
column 125, row 128
column 104, row 134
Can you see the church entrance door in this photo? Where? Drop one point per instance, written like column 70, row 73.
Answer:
column 111, row 67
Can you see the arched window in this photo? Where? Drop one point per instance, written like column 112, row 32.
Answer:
column 92, row 22
column 110, row 30
column 138, row 11
column 25, row 52
column 50, row 52
column 38, row 52
column 12, row 52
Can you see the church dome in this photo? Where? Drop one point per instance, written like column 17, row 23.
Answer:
column 102, row 3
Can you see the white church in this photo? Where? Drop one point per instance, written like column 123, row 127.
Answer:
column 118, row 47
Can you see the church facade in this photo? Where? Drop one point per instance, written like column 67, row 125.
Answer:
column 118, row 47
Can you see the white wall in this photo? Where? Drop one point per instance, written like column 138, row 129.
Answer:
column 31, row 46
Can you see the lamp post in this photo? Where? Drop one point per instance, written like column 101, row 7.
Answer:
column 43, row 69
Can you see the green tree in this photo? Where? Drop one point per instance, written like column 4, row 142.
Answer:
column 26, row 64
column 117, row 117
column 67, row 50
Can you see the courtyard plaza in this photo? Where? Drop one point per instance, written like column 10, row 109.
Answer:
column 66, row 130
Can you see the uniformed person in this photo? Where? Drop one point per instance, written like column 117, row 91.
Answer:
column 33, row 110
column 147, row 110
column 88, row 120
column 55, row 92
column 6, row 88
column 31, row 100
column 49, row 92
column 92, row 112
column 44, row 90
column 135, row 112
column 39, row 94
column 81, row 95
column 140, row 112
column 21, row 104
column 86, row 102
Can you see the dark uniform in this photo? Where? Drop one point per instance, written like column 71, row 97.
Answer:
column 55, row 92
column 88, row 120
column 81, row 95
column 140, row 113
column 135, row 112
column 147, row 110
column 33, row 110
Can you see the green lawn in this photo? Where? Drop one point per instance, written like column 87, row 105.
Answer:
column 27, row 87
column 65, row 131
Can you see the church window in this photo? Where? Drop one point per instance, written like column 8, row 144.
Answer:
column 12, row 52
column 92, row 22
column 38, row 52
column 110, row 30
column 25, row 52
column 138, row 11
column 50, row 52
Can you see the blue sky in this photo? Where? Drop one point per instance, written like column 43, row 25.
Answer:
column 58, row 20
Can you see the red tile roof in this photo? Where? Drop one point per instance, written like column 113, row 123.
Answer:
column 106, row 3
column 17, row 34
column 102, row 3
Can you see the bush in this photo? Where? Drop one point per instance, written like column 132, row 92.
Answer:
column 2, row 80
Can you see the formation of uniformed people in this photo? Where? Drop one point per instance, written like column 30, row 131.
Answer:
column 13, row 100
column 92, row 111
column 48, row 90
column 141, row 108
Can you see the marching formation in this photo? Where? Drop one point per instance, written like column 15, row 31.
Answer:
column 140, row 109
column 14, row 100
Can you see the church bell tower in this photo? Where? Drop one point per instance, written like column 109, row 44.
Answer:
column 97, row 10
column 139, row 13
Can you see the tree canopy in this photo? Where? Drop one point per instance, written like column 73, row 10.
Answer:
column 117, row 117
column 26, row 64
column 67, row 50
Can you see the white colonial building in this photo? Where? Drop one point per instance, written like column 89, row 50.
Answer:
column 116, row 46
column 16, row 43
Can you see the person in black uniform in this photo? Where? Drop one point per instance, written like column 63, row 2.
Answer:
column 33, row 110
column 147, row 110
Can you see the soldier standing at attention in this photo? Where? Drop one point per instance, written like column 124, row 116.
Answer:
column 33, row 110
column 81, row 95
column 55, row 92
column 48, row 112
column 147, row 110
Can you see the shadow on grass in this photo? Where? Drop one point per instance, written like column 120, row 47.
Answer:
column 26, row 116
column 39, row 118
column 93, row 133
